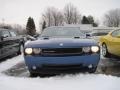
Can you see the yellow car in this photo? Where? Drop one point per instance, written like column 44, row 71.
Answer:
column 111, row 43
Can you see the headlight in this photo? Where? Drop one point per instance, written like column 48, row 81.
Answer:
column 95, row 49
column 86, row 49
column 28, row 50
column 36, row 50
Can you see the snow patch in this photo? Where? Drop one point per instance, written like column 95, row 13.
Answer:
column 10, row 62
column 69, row 82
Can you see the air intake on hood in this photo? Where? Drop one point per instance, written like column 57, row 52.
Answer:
column 46, row 38
column 76, row 37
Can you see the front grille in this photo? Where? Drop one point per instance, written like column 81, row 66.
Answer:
column 62, row 67
column 59, row 69
column 62, row 51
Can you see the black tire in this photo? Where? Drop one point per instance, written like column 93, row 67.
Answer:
column 36, row 74
column 43, row 75
column 33, row 74
column 105, row 52
column 92, row 70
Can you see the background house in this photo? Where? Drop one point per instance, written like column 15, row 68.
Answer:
column 103, row 28
column 85, row 28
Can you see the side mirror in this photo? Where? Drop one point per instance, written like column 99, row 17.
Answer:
column 2, row 37
column 88, row 35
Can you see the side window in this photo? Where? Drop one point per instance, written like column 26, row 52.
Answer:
column 5, row 34
column 116, row 33
column 13, row 34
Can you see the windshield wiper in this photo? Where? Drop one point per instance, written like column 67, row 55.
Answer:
column 45, row 37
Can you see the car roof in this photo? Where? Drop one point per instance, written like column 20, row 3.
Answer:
column 2, row 29
column 61, row 27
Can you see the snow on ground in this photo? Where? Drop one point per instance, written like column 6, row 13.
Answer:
column 10, row 62
column 68, row 82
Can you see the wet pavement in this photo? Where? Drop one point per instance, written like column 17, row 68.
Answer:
column 19, row 70
column 108, row 66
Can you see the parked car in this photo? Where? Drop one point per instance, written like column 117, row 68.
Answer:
column 10, row 43
column 97, row 34
column 111, row 43
column 61, row 50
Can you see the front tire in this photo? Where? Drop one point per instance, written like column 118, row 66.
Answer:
column 33, row 74
column 38, row 74
column 105, row 52
column 93, row 70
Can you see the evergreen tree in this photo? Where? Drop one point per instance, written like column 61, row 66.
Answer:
column 30, row 27
column 91, row 21
column 95, row 24
column 43, row 25
column 85, row 20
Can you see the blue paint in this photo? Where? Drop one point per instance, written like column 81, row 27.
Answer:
column 85, row 60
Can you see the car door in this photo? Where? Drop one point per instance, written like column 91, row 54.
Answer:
column 15, row 41
column 115, row 42
column 5, row 43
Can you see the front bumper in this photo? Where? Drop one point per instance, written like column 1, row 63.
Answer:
column 55, row 65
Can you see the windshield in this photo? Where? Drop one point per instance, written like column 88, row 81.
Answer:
column 62, row 32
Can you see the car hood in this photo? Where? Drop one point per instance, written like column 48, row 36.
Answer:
column 60, row 42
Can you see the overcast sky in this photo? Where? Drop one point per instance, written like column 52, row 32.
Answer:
column 18, row 11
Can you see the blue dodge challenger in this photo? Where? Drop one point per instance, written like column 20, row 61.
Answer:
column 61, row 49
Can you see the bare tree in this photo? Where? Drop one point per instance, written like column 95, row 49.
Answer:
column 57, row 17
column 47, row 17
column 19, row 29
column 112, row 18
column 71, row 14
column 5, row 26
column 16, row 27
column 53, row 17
